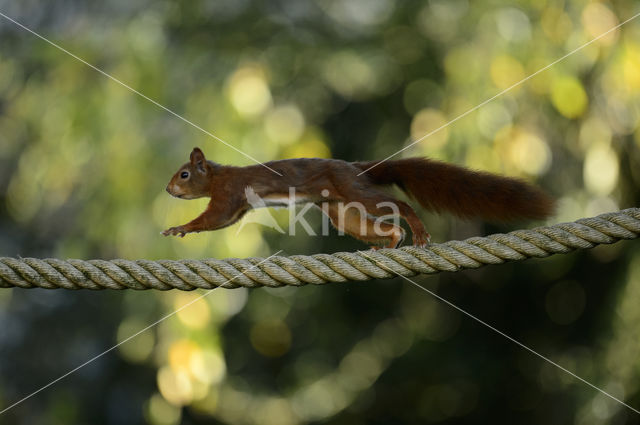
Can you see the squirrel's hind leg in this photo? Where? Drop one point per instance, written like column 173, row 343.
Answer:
column 359, row 224
column 382, row 205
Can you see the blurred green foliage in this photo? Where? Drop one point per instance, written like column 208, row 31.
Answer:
column 84, row 163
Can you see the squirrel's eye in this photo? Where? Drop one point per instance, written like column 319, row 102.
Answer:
column 184, row 174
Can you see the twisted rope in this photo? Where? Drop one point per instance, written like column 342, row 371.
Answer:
column 298, row 270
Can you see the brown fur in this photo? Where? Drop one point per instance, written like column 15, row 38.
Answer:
column 330, row 183
column 439, row 186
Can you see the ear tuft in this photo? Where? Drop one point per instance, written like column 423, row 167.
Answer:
column 196, row 156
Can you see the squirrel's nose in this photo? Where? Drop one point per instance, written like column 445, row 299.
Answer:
column 167, row 189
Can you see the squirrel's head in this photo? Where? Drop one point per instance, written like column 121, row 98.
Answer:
column 193, row 179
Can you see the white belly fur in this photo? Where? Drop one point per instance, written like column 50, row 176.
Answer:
column 272, row 200
column 283, row 201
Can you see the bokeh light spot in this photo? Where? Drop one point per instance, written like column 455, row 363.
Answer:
column 568, row 97
column 249, row 92
column 271, row 338
column 631, row 67
column 141, row 347
column 513, row 24
column 358, row 13
column 311, row 145
column 429, row 121
column 196, row 315
column 525, row 150
column 360, row 75
column 159, row 412
column 556, row 24
column 284, row 124
column 506, row 71
column 491, row 118
column 598, row 19
column 601, row 170
column 175, row 386
column 594, row 130
column 180, row 353
column 438, row 19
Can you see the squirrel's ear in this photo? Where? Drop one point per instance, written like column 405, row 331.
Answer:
column 198, row 159
column 196, row 155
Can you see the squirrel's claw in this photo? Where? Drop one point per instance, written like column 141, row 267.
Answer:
column 175, row 231
column 422, row 240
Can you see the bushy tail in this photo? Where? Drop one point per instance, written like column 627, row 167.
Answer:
column 438, row 186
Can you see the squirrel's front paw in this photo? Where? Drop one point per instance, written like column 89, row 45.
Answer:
column 175, row 231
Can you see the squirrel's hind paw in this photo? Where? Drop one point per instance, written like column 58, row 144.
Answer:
column 421, row 240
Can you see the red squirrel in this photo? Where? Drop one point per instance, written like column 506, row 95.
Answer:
column 330, row 183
